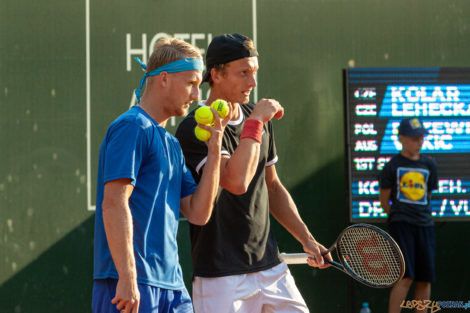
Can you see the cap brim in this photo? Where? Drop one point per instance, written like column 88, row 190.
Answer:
column 416, row 132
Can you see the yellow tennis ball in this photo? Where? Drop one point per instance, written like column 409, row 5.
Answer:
column 221, row 106
column 204, row 116
column 202, row 134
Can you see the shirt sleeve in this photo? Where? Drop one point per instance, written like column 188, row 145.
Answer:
column 386, row 177
column 272, row 153
column 188, row 185
column 194, row 150
column 125, row 146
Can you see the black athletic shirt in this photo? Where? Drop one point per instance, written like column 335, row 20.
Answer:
column 410, row 182
column 238, row 238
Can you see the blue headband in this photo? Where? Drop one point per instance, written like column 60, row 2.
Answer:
column 189, row 64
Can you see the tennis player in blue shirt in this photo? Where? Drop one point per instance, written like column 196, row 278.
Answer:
column 143, row 185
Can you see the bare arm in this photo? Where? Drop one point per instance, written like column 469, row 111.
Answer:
column 237, row 171
column 283, row 208
column 384, row 198
column 197, row 208
column 117, row 221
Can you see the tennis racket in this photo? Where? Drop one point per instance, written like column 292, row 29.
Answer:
column 367, row 253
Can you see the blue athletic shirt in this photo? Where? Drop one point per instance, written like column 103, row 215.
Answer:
column 136, row 147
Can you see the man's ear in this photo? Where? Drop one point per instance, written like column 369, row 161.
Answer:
column 216, row 75
column 163, row 79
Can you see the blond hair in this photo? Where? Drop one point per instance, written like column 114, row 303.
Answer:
column 171, row 49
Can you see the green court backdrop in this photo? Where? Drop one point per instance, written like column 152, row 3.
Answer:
column 66, row 72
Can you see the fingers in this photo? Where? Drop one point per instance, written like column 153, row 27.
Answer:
column 136, row 308
column 206, row 127
column 217, row 128
column 127, row 296
column 275, row 107
column 326, row 256
column 266, row 109
column 127, row 309
column 131, row 306
column 279, row 114
column 214, row 142
column 222, row 122
column 318, row 258
column 230, row 114
column 320, row 255
column 313, row 262
column 217, row 119
column 120, row 303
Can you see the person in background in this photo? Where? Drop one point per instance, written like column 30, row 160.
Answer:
column 407, row 181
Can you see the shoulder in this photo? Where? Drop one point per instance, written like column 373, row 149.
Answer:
column 394, row 160
column 429, row 160
column 132, row 118
column 391, row 166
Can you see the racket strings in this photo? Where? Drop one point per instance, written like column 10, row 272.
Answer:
column 370, row 256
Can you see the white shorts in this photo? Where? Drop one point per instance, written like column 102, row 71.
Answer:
column 267, row 291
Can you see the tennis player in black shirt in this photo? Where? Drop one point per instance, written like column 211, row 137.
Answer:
column 236, row 260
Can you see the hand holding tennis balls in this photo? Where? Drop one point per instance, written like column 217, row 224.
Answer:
column 204, row 115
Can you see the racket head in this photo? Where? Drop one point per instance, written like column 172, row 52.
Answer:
column 370, row 255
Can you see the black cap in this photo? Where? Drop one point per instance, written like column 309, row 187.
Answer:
column 411, row 127
column 226, row 48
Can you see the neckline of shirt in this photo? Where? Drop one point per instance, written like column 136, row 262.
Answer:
column 148, row 116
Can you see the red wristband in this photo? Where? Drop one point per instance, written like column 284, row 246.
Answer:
column 253, row 129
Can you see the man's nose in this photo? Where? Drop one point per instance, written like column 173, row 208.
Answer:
column 252, row 82
column 195, row 93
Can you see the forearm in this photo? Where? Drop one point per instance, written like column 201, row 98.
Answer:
column 283, row 208
column 238, row 171
column 384, row 198
column 385, row 206
column 119, row 233
column 202, row 200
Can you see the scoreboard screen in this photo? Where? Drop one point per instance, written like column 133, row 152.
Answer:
column 376, row 100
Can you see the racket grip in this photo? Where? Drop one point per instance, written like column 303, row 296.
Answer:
column 295, row 258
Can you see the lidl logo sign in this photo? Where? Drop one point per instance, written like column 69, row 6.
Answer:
column 412, row 185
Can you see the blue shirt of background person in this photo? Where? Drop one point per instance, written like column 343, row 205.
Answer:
column 136, row 147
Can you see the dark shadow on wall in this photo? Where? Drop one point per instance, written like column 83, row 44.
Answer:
column 59, row 280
